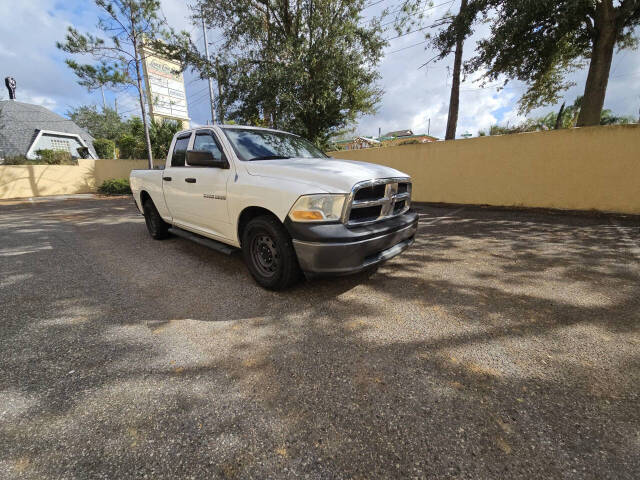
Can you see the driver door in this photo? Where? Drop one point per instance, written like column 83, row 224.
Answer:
column 202, row 191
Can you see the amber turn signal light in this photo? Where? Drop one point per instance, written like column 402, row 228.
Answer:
column 306, row 215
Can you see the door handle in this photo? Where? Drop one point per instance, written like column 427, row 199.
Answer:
column 190, row 180
column 166, row 179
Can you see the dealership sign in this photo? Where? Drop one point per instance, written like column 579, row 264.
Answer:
column 165, row 88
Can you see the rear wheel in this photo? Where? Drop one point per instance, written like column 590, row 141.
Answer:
column 158, row 228
column 269, row 253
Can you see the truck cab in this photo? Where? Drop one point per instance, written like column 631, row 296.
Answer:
column 287, row 205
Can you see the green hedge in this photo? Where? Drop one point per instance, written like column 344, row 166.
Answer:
column 45, row 157
column 55, row 157
column 115, row 186
column 104, row 147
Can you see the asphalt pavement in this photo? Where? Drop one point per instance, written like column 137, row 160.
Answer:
column 504, row 344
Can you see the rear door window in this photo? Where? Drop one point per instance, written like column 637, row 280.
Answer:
column 180, row 151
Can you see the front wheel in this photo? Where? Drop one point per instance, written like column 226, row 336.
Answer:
column 269, row 253
column 158, row 228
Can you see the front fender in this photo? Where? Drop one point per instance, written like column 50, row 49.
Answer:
column 275, row 195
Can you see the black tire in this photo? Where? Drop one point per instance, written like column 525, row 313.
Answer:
column 158, row 228
column 269, row 253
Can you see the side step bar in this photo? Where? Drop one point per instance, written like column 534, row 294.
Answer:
column 207, row 242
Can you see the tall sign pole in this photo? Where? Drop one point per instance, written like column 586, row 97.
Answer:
column 206, row 52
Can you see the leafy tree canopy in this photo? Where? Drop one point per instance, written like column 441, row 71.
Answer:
column 106, row 124
column 132, row 143
column 540, row 41
column 568, row 119
column 128, row 26
column 306, row 66
column 129, row 135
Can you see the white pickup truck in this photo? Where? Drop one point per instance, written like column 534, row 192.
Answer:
column 288, row 206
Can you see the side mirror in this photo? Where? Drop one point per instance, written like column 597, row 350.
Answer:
column 204, row 158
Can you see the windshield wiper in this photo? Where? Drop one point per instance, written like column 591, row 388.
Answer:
column 270, row 157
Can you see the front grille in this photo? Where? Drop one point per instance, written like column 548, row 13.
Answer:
column 373, row 192
column 398, row 207
column 365, row 214
column 378, row 199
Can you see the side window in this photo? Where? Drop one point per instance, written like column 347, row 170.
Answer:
column 205, row 142
column 180, row 151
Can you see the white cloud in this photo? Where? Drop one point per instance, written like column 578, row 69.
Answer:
column 30, row 97
column 28, row 53
column 412, row 95
column 177, row 13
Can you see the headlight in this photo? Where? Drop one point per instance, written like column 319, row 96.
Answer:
column 318, row 208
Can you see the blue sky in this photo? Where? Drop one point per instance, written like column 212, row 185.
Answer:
column 412, row 96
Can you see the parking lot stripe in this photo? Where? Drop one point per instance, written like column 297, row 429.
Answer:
column 444, row 217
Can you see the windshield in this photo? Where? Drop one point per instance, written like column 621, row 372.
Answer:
column 266, row 145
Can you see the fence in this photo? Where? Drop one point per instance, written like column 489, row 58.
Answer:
column 596, row 168
column 18, row 181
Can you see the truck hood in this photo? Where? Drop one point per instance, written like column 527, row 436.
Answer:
column 329, row 174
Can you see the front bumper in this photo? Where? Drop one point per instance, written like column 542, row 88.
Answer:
column 336, row 249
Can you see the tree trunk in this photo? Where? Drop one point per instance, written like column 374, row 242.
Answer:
column 221, row 112
column 454, row 101
column 559, row 118
column 602, row 53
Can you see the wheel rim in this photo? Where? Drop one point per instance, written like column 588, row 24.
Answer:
column 264, row 254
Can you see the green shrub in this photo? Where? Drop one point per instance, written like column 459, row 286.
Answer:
column 18, row 160
column 54, row 157
column 45, row 157
column 115, row 186
column 130, row 146
column 410, row 142
column 104, row 147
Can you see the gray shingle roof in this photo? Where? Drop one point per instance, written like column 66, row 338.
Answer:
column 20, row 122
column 399, row 133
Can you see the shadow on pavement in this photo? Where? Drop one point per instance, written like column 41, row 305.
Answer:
column 504, row 344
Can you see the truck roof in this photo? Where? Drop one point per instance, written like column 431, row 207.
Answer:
column 245, row 127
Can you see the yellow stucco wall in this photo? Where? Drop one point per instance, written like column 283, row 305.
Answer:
column 578, row 169
column 20, row 181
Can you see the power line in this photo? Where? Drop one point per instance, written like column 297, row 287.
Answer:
column 199, row 97
column 197, row 94
column 193, row 81
column 625, row 74
column 406, row 48
column 214, row 42
column 412, row 31
column 428, row 8
column 129, row 111
column 372, row 4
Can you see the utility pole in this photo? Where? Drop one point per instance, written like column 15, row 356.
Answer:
column 206, row 52
column 115, row 105
column 429, row 127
